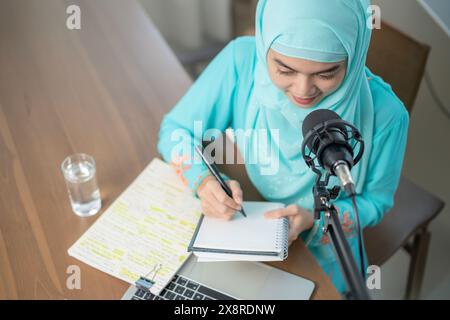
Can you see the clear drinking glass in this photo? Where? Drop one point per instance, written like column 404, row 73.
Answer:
column 79, row 173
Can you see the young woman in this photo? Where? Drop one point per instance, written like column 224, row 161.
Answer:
column 306, row 55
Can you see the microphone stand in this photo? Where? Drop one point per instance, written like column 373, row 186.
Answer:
column 332, row 228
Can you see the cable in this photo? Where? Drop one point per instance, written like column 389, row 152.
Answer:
column 360, row 241
column 435, row 96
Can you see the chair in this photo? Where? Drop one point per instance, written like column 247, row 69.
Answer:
column 243, row 16
column 401, row 61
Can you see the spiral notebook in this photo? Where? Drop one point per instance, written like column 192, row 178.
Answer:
column 254, row 238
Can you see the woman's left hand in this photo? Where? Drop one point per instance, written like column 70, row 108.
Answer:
column 299, row 219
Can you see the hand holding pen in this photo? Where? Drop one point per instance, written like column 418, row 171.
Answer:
column 219, row 199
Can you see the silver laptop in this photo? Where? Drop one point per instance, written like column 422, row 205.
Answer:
column 229, row 281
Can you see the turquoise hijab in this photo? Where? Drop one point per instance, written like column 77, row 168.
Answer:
column 317, row 30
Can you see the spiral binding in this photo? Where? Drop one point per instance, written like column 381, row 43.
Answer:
column 282, row 241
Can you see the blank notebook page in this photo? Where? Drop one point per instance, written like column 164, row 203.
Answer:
column 254, row 233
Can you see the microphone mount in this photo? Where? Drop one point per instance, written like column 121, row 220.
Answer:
column 323, row 133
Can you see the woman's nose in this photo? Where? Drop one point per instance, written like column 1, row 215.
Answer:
column 303, row 86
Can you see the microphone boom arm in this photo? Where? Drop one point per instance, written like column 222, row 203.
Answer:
column 322, row 134
column 332, row 227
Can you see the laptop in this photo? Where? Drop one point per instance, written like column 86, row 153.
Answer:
column 229, row 281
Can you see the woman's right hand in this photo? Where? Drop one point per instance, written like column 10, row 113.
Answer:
column 214, row 200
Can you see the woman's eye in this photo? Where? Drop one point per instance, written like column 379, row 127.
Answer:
column 285, row 72
column 326, row 76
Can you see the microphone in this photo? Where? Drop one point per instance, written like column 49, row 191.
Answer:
column 327, row 137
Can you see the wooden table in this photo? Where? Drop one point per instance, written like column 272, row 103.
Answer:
column 102, row 90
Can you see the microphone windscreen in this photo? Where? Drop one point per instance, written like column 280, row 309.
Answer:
column 317, row 117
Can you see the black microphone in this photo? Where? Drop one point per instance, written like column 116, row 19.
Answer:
column 326, row 136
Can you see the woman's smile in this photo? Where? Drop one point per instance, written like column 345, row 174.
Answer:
column 305, row 102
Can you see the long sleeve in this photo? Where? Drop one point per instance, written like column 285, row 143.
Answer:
column 383, row 178
column 204, row 111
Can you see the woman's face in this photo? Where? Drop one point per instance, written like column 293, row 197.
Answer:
column 304, row 82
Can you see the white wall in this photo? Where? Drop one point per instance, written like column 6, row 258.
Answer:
column 440, row 9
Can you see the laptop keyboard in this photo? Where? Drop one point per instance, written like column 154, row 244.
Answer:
column 182, row 288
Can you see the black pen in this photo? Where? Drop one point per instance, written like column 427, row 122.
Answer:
column 212, row 168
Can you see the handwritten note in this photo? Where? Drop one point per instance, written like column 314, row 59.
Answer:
column 151, row 223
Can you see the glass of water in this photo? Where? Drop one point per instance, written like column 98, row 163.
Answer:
column 79, row 173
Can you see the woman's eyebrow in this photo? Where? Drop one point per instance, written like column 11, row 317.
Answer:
column 331, row 69
column 283, row 65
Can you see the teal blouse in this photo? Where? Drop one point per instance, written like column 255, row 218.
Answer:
column 219, row 99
